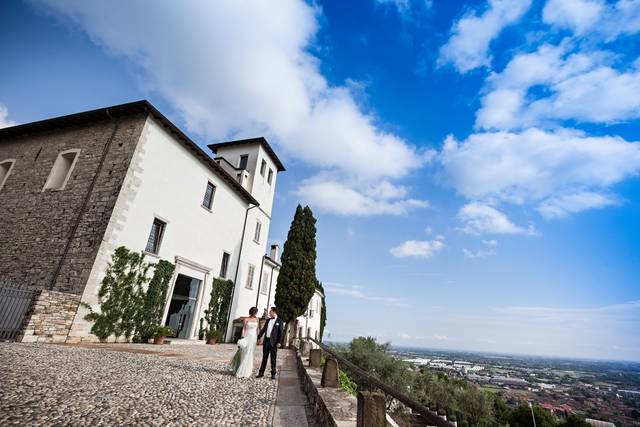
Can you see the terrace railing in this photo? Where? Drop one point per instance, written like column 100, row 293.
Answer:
column 431, row 418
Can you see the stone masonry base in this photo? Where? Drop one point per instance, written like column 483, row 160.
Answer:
column 50, row 317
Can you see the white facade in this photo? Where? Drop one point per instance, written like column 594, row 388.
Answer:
column 309, row 324
column 166, row 182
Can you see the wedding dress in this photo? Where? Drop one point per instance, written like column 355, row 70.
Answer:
column 242, row 362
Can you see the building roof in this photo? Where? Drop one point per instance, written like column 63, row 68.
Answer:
column 258, row 140
column 122, row 110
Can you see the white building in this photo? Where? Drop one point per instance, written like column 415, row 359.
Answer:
column 308, row 325
column 210, row 215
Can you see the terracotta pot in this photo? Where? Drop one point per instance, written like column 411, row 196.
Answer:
column 211, row 341
column 158, row 340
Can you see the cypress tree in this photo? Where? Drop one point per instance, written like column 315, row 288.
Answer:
column 297, row 278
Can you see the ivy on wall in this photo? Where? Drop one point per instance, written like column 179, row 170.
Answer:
column 219, row 304
column 155, row 298
column 126, row 308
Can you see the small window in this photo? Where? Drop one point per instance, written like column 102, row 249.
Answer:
column 5, row 169
column 244, row 159
column 155, row 237
column 265, row 281
column 308, row 332
column 263, row 167
column 250, row 273
column 270, row 176
column 256, row 236
column 207, row 202
column 225, row 265
column 61, row 171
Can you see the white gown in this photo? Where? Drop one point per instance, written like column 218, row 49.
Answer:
column 246, row 355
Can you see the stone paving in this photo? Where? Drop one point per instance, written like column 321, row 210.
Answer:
column 121, row 384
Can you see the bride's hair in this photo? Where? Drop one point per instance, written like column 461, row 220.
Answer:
column 253, row 311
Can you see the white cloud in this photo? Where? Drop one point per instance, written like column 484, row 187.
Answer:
column 594, row 17
column 582, row 86
column 4, row 117
column 415, row 248
column 403, row 6
column 439, row 337
column 468, row 46
column 579, row 15
column 477, row 254
column 628, row 312
column 358, row 292
column 536, row 165
column 341, row 199
column 559, row 207
column 490, row 242
column 428, row 230
column 235, row 70
column 478, row 218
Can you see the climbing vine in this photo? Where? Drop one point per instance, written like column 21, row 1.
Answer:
column 154, row 301
column 126, row 308
column 219, row 304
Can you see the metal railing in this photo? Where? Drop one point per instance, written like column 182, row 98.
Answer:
column 14, row 305
column 431, row 417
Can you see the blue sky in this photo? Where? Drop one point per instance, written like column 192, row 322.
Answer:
column 473, row 165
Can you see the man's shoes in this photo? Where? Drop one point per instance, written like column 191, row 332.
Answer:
column 259, row 375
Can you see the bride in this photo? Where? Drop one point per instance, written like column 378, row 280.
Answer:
column 242, row 362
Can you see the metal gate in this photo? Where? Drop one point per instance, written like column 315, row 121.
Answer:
column 14, row 305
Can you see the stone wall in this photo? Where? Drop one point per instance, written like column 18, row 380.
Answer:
column 330, row 406
column 36, row 225
column 50, row 317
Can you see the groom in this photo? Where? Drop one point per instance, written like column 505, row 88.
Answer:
column 273, row 330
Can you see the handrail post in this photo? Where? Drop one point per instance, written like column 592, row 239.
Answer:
column 372, row 410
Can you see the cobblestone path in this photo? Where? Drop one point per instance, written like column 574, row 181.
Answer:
column 123, row 384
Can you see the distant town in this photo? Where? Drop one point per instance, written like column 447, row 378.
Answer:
column 606, row 391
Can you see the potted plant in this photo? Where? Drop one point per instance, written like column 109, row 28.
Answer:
column 160, row 332
column 214, row 336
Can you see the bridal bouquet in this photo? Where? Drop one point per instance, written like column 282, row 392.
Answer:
column 242, row 343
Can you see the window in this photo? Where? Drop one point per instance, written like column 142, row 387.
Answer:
column 61, row 171
column 244, row 159
column 155, row 237
column 250, row 273
column 207, row 202
column 317, row 337
column 270, row 176
column 5, row 169
column 265, row 280
column 263, row 167
column 256, row 236
column 225, row 265
column 308, row 332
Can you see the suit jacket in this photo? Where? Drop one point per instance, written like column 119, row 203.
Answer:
column 277, row 333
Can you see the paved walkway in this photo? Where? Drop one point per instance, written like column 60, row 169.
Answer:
column 292, row 406
column 136, row 384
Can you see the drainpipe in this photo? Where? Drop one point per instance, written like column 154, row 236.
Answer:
column 260, row 281
column 235, row 278
column 270, row 282
column 85, row 202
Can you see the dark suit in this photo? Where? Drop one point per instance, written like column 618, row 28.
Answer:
column 270, row 346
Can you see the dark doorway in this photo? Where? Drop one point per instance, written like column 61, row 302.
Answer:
column 183, row 305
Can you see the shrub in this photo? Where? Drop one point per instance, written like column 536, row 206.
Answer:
column 162, row 331
column 215, row 334
column 347, row 383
